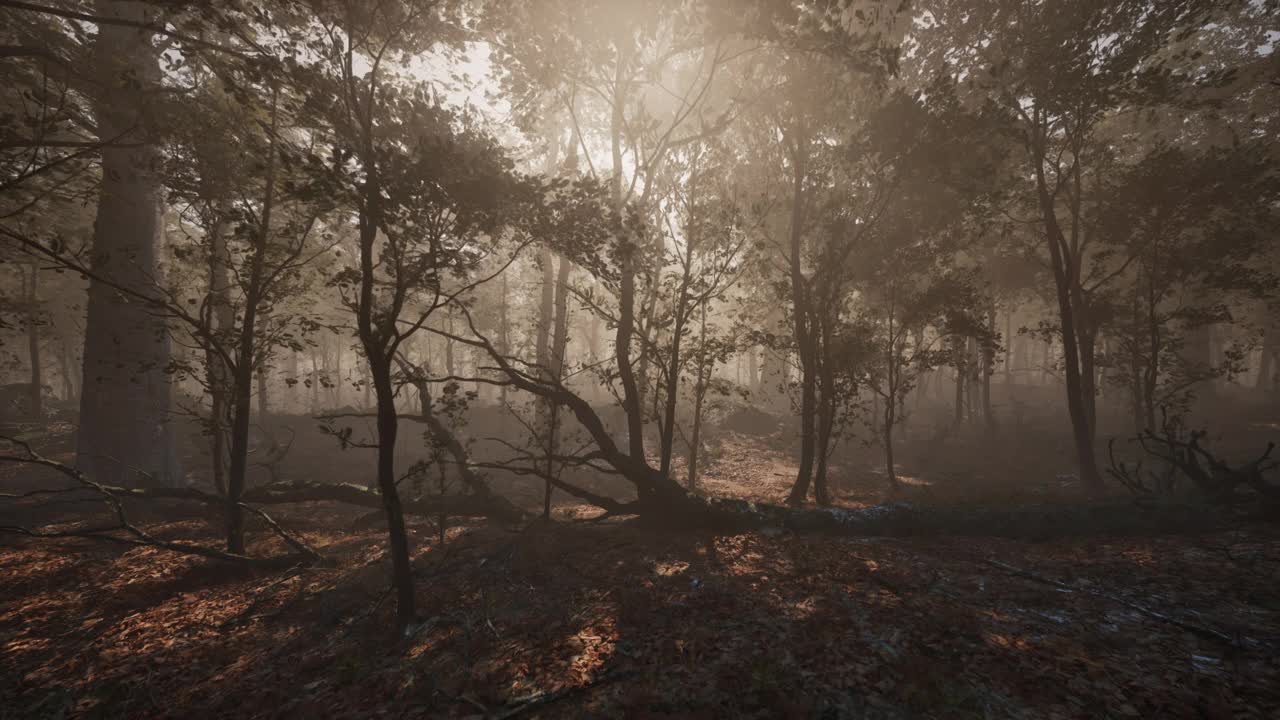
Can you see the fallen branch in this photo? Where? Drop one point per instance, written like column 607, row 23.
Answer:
column 135, row 536
column 499, row 507
column 283, row 493
column 1238, row 642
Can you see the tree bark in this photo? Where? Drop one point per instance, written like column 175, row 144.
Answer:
column 699, row 395
column 125, row 434
column 559, row 343
column 217, row 373
column 1062, row 274
column 33, row 345
column 247, row 356
column 802, row 317
column 504, row 333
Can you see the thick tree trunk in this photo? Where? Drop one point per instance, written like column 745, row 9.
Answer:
column 125, row 433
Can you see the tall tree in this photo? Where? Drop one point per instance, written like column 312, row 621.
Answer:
column 125, row 433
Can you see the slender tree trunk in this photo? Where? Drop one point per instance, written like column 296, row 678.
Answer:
column 1076, row 408
column 33, row 345
column 125, row 434
column 450, row 367
column 632, row 403
column 1008, row 348
column 559, row 343
column 826, row 412
column 247, row 358
column 988, row 369
column 699, row 394
column 893, row 365
column 218, row 374
column 803, row 330
column 542, row 351
column 65, row 364
column 397, row 535
column 291, row 388
column 260, row 377
column 338, row 380
column 674, row 360
column 315, row 383
column 372, row 339
column 368, row 383
column 504, row 333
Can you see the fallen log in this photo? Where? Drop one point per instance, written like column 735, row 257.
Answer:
column 346, row 493
column 1036, row 522
column 124, row 532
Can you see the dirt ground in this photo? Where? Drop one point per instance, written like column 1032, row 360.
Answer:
column 612, row 619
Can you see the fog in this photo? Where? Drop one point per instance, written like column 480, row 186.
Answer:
column 833, row 268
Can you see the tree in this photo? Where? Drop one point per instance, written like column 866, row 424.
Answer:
column 1058, row 71
column 1187, row 230
column 427, row 194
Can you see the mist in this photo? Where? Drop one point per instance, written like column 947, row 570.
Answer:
column 471, row 358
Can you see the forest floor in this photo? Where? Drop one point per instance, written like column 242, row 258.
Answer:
column 611, row 619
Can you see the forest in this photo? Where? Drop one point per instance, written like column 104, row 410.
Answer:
column 639, row 358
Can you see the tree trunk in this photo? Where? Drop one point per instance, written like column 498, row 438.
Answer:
column 338, row 380
column 260, row 377
column 1076, row 409
column 397, row 535
column 674, row 360
column 559, row 343
column 291, row 388
column 125, row 432
column 65, row 364
column 890, row 469
column 217, row 373
column 826, row 412
column 699, row 394
column 504, row 334
column 631, row 400
column 1008, row 348
column 248, row 359
column 988, row 369
column 33, row 345
column 803, row 332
